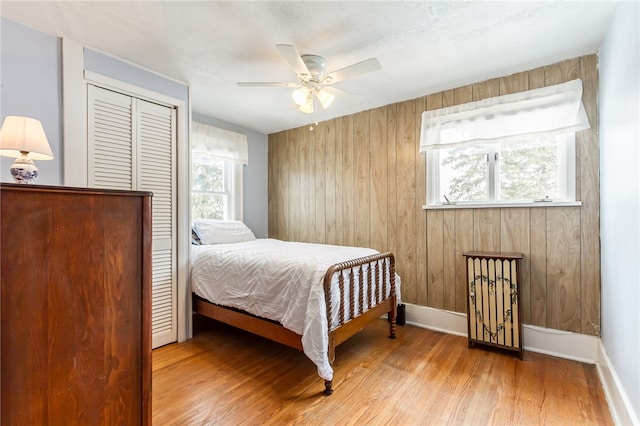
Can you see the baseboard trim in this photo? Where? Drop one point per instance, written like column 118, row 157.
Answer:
column 563, row 344
column 619, row 404
column 558, row 343
column 436, row 319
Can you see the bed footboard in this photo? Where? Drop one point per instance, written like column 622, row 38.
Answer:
column 358, row 305
column 366, row 281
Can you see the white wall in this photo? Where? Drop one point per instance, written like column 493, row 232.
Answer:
column 31, row 81
column 134, row 75
column 31, row 78
column 255, row 176
column 620, row 199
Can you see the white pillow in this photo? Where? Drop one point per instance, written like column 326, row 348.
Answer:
column 223, row 231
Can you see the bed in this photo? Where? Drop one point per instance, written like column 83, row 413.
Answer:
column 311, row 297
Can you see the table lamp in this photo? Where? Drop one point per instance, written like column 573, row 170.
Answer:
column 23, row 138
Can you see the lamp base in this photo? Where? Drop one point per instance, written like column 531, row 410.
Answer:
column 24, row 170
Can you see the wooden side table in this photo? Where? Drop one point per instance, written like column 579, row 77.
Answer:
column 493, row 300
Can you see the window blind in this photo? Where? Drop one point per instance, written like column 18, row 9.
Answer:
column 210, row 141
column 548, row 110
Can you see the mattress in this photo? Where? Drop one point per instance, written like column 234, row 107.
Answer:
column 280, row 281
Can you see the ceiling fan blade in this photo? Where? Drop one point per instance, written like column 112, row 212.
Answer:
column 351, row 71
column 265, row 84
column 293, row 57
column 339, row 92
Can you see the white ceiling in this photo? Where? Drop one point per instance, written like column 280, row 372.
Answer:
column 424, row 47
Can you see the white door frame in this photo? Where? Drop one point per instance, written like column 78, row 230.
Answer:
column 75, row 156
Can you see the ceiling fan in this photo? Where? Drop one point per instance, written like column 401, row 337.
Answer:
column 312, row 79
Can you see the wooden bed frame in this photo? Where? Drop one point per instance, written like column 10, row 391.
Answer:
column 351, row 320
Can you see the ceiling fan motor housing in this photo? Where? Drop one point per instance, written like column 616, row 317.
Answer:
column 316, row 65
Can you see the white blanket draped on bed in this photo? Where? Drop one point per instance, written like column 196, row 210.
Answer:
column 278, row 280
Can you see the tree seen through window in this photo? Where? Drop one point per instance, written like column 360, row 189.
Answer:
column 209, row 189
column 515, row 171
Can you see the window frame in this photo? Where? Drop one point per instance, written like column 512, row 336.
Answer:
column 233, row 184
column 567, row 159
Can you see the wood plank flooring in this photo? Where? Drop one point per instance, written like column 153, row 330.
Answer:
column 228, row 377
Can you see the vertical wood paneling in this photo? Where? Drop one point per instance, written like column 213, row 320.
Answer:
column 486, row 89
column 562, row 72
column 514, row 83
column 392, row 206
column 588, row 156
column 406, row 189
column 536, row 78
column 449, row 252
column 464, row 242
column 449, row 257
column 435, row 267
column 272, row 179
column 448, row 98
column 462, row 95
column 420, row 200
column 333, row 204
column 332, row 195
column 378, row 178
column 538, row 266
column 563, row 268
column 306, row 218
column 361, row 155
column 283, row 184
column 293, row 148
column 293, row 187
column 515, row 238
column 320, row 176
column 285, row 219
column 563, row 236
column 368, row 183
column 348, row 184
column 486, row 230
column 537, row 303
column 311, row 179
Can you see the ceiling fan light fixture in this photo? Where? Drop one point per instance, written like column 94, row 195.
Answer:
column 325, row 98
column 307, row 107
column 310, row 70
column 300, row 96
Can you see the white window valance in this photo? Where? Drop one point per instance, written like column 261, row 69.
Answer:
column 219, row 143
column 549, row 110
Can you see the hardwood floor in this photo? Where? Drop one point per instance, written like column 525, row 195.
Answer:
column 226, row 376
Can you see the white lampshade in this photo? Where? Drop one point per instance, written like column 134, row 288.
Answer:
column 325, row 98
column 307, row 108
column 24, row 135
column 300, row 96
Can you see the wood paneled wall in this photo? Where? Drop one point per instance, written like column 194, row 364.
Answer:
column 359, row 180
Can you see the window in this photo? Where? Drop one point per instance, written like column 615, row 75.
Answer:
column 210, row 188
column 217, row 157
column 517, row 148
column 526, row 170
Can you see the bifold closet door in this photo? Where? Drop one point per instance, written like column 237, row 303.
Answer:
column 132, row 146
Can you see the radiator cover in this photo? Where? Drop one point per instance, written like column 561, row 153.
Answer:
column 493, row 300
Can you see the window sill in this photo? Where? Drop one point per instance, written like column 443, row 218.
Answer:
column 445, row 206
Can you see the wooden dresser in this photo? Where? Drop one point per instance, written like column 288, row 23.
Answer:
column 75, row 306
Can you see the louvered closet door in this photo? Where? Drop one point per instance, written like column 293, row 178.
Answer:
column 111, row 136
column 156, row 173
column 132, row 146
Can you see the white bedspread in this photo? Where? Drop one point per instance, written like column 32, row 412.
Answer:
column 278, row 280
